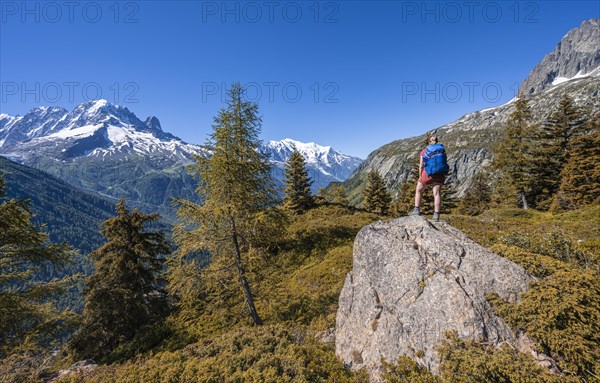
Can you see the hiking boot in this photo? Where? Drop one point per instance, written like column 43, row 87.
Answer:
column 436, row 217
column 415, row 211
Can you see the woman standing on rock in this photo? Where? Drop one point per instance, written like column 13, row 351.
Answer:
column 433, row 167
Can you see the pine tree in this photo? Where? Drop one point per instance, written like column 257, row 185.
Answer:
column 512, row 159
column 28, row 316
column 124, row 293
column 298, row 197
column 238, row 193
column 478, row 197
column 376, row 198
column 580, row 177
column 551, row 149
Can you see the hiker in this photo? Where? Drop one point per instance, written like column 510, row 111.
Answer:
column 433, row 168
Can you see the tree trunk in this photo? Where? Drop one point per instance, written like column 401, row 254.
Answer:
column 524, row 201
column 242, row 275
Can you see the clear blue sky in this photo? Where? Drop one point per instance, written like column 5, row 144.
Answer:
column 354, row 75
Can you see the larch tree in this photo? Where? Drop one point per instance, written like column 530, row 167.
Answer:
column 298, row 197
column 235, row 221
column 28, row 317
column 125, row 291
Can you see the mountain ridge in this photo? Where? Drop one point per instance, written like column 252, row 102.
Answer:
column 576, row 54
column 107, row 149
column 469, row 140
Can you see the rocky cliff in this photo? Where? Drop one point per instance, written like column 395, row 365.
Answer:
column 574, row 69
column 412, row 280
column 577, row 54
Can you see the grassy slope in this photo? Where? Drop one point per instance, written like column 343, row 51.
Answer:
column 299, row 299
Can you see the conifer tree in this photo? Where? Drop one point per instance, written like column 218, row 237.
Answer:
column 513, row 161
column 376, row 197
column 449, row 200
column 405, row 200
column 124, row 293
column 478, row 197
column 550, row 154
column 28, row 316
column 233, row 222
column 298, row 197
column 580, row 177
column 335, row 194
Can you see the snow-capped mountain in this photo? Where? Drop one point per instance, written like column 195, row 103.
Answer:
column 324, row 164
column 93, row 129
column 107, row 149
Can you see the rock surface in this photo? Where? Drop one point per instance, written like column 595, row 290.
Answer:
column 413, row 280
column 80, row 368
column 577, row 53
column 471, row 139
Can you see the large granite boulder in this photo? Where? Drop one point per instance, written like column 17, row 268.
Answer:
column 413, row 280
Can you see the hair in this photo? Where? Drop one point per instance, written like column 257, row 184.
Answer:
column 429, row 137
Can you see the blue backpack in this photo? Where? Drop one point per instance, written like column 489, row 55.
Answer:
column 435, row 160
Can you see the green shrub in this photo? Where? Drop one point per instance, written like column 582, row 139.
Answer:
column 276, row 353
column 562, row 313
column 467, row 362
column 407, row 370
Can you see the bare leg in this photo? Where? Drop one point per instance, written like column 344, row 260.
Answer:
column 418, row 192
column 437, row 200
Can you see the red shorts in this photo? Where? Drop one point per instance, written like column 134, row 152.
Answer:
column 437, row 179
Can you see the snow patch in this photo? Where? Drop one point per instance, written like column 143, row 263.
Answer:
column 560, row 80
column 80, row 132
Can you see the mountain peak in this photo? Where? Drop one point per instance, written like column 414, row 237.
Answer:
column 576, row 55
column 94, row 128
column 153, row 123
column 302, row 147
column 324, row 163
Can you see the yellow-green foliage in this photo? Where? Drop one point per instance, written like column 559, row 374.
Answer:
column 313, row 290
column 297, row 293
column 298, row 289
column 270, row 353
column 561, row 311
column 467, row 362
column 300, row 281
column 306, row 278
column 325, row 227
column 407, row 370
column 24, row 366
column 570, row 236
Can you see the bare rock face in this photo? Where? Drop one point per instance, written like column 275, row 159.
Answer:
column 470, row 140
column 413, row 280
column 577, row 53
